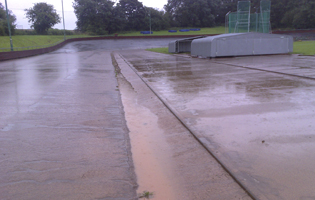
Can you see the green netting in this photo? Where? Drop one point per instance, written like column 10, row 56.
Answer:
column 242, row 21
column 264, row 16
column 243, row 16
column 243, row 6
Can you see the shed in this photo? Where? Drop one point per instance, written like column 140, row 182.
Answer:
column 181, row 45
column 241, row 44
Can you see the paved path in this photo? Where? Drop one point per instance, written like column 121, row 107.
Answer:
column 62, row 131
column 256, row 114
column 168, row 160
column 63, row 134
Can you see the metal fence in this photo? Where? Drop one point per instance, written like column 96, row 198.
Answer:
column 243, row 21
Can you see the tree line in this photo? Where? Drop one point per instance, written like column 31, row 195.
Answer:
column 101, row 17
column 104, row 17
column 4, row 23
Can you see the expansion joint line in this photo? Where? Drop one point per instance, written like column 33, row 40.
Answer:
column 265, row 70
column 193, row 133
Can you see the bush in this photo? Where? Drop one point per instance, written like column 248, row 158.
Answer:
column 58, row 32
column 25, row 32
column 2, row 32
column 49, row 32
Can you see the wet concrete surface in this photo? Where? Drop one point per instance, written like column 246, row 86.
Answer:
column 168, row 160
column 63, row 134
column 118, row 44
column 255, row 114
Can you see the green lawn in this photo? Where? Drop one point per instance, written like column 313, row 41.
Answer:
column 304, row 47
column 28, row 40
column 40, row 40
column 159, row 50
column 32, row 40
column 203, row 31
column 299, row 47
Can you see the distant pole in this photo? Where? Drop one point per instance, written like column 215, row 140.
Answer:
column 8, row 19
column 63, row 18
column 150, row 20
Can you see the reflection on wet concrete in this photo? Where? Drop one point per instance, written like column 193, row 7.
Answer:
column 163, row 150
column 62, row 131
column 259, row 123
column 111, row 45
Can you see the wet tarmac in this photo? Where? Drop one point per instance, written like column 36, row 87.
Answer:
column 63, row 134
column 255, row 114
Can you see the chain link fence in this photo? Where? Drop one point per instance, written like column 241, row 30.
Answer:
column 243, row 21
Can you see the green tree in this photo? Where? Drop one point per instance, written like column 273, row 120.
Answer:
column 134, row 14
column 117, row 21
column 193, row 13
column 3, row 21
column 159, row 21
column 94, row 16
column 293, row 14
column 42, row 16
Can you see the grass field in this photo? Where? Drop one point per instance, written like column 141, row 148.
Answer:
column 159, row 50
column 203, row 31
column 33, row 40
column 40, row 40
column 29, row 40
column 304, row 47
column 300, row 47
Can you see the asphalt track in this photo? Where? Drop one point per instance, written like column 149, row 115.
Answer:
column 63, row 134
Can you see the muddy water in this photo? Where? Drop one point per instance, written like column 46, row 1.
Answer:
column 168, row 160
column 151, row 155
column 259, row 123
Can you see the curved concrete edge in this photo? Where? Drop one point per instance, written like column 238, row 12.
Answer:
column 293, row 31
column 27, row 53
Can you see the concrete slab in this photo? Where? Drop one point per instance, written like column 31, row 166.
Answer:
column 258, row 122
column 62, row 130
column 164, row 150
column 63, row 134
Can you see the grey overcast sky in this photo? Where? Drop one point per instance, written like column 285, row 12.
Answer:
column 18, row 6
